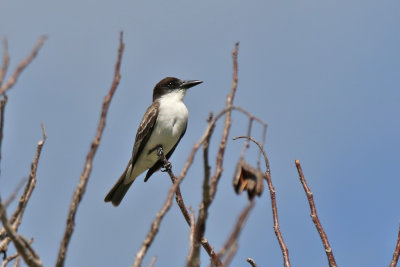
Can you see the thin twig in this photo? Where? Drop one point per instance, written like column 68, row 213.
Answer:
column 6, row 61
column 30, row 186
column 228, row 121
column 179, row 200
column 14, row 193
column 210, row 191
column 153, row 260
column 284, row 249
column 248, row 114
column 264, row 137
column 199, row 229
column 81, row 187
column 232, row 251
column 263, row 123
column 16, row 218
column 15, row 257
column 24, row 249
column 314, row 216
column 232, row 241
column 17, row 261
column 9, row 259
column 252, row 262
column 247, row 143
column 192, row 234
column 3, row 103
column 210, row 251
column 157, row 221
column 396, row 253
column 209, row 131
column 14, row 77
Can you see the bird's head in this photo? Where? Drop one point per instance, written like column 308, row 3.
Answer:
column 173, row 85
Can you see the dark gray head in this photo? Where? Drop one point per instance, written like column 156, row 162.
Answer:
column 170, row 84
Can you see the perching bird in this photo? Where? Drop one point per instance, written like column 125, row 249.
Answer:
column 163, row 125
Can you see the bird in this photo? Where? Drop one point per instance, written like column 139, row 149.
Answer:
column 162, row 127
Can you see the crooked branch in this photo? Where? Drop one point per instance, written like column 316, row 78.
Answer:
column 14, row 77
column 81, row 187
column 284, row 249
column 24, row 249
column 11, row 226
column 6, row 61
column 230, row 245
column 160, row 215
column 314, row 217
column 252, row 262
column 209, row 191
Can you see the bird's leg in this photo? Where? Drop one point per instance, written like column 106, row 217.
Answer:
column 166, row 164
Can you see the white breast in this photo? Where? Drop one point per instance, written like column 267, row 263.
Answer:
column 172, row 115
column 170, row 124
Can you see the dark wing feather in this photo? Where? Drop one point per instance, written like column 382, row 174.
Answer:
column 144, row 132
column 159, row 163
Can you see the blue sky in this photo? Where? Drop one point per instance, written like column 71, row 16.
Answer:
column 323, row 74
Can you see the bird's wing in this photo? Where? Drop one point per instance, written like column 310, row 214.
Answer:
column 159, row 163
column 144, row 132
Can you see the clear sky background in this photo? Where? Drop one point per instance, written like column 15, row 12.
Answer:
column 324, row 75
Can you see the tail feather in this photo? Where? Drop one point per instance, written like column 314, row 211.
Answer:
column 118, row 191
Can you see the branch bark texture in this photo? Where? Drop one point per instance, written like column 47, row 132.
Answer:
column 81, row 187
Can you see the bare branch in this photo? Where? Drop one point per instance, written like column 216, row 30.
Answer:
column 396, row 253
column 247, row 143
column 17, row 261
column 314, row 216
column 81, row 187
column 181, row 204
column 14, row 77
column 208, row 132
column 227, row 126
column 160, row 215
column 3, row 103
column 209, row 192
column 9, row 259
column 199, row 229
column 30, row 186
column 16, row 218
column 232, row 241
column 14, row 194
column 284, row 249
column 210, row 251
column 22, row 246
column 153, row 260
column 264, row 136
column 252, row 262
column 192, row 235
column 6, row 61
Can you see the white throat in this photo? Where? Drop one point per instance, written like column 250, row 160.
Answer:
column 174, row 96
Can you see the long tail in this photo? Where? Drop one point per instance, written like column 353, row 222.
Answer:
column 118, row 191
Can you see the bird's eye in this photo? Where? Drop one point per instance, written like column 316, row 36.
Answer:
column 170, row 84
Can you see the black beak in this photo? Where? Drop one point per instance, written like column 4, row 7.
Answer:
column 191, row 83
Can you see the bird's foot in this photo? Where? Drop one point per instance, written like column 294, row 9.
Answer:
column 167, row 167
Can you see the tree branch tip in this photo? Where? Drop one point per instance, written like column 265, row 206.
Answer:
column 121, row 38
column 238, row 137
column 44, row 130
column 252, row 262
column 297, row 162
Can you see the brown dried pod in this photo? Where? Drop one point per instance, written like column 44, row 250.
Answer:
column 248, row 178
